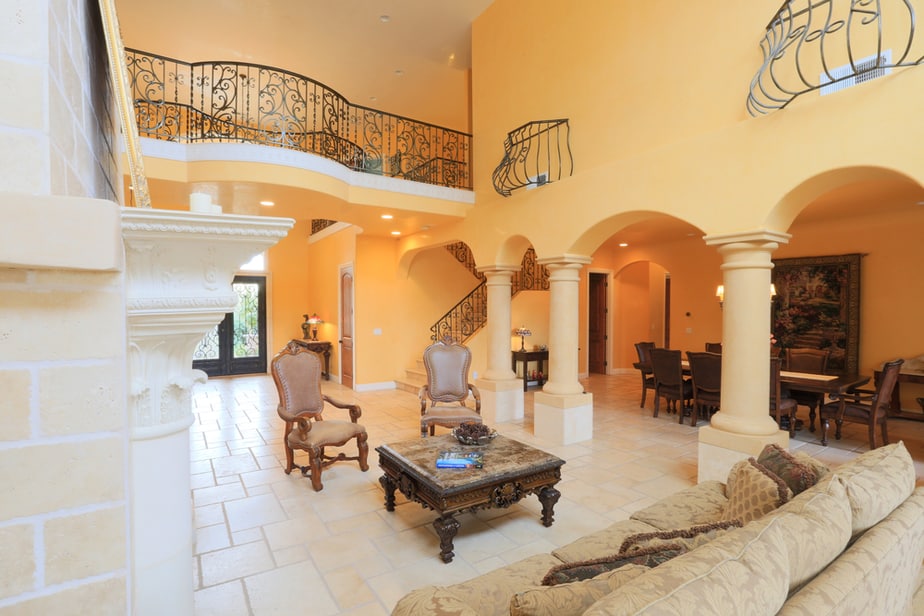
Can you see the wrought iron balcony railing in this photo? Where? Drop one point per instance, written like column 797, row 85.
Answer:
column 251, row 103
column 828, row 45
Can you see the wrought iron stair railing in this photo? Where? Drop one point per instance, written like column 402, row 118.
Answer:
column 470, row 314
column 252, row 103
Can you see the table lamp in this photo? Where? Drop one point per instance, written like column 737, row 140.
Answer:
column 314, row 320
column 522, row 332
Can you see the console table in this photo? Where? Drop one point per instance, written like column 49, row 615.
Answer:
column 318, row 346
column 540, row 357
column 895, row 407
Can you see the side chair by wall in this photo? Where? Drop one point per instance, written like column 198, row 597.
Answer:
column 713, row 347
column 781, row 405
column 643, row 365
column 297, row 374
column 863, row 406
column 669, row 382
column 447, row 390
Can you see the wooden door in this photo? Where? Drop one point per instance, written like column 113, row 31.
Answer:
column 346, row 327
column 596, row 322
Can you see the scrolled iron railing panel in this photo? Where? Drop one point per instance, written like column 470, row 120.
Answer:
column 244, row 102
column 535, row 154
column 808, row 40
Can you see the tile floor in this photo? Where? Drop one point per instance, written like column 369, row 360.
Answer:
column 266, row 543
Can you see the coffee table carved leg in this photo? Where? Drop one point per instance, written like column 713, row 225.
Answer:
column 389, row 484
column 548, row 497
column 446, row 528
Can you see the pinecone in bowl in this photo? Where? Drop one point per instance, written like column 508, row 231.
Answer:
column 470, row 433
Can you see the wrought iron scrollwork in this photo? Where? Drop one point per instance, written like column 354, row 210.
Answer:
column 819, row 44
column 251, row 103
column 535, row 154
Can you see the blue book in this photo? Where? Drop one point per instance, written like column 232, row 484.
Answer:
column 460, row 459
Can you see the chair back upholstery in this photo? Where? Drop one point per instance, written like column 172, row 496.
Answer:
column 297, row 374
column 706, row 371
column 883, row 397
column 667, row 368
column 712, row 347
column 644, row 351
column 447, row 364
column 807, row 360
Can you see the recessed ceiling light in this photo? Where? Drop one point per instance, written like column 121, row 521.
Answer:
column 387, row 216
column 399, row 72
column 384, row 18
column 373, row 98
column 622, row 244
column 396, row 233
column 268, row 203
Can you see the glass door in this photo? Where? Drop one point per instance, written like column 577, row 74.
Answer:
column 237, row 345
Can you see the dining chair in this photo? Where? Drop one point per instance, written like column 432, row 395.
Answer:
column 706, row 376
column 712, row 347
column 643, row 365
column 667, row 366
column 863, row 406
column 296, row 373
column 781, row 406
column 444, row 397
column 813, row 361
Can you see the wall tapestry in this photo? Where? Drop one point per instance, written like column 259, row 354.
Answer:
column 817, row 305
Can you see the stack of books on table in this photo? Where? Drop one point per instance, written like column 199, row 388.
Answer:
column 460, row 459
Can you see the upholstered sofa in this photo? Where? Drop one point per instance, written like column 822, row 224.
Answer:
column 847, row 540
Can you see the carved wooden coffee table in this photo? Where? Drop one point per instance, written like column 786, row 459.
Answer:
column 512, row 471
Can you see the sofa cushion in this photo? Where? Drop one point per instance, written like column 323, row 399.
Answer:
column 571, row 598
column 742, row 572
column 752, row 492
column 699, row 504
column 601, row 543
column 797, row 475
column 485, row 595
column 587, row 569
column 821, row 469
column 877, row 481
column 816, row 527
column 690, row 538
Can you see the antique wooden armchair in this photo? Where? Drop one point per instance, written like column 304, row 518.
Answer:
column 863, row 406
column 643, row 365
column 669, row 382
column 297, row 374
column 443, row 400
column 706, row 376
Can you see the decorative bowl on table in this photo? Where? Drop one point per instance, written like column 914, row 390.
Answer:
column 474, row 434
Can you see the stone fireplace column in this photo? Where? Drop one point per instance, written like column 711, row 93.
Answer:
column 743, row 426
column 563, row 412
column 179, row 269
column 501, row 390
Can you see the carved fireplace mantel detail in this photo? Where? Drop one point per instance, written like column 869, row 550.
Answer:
column 179, row 269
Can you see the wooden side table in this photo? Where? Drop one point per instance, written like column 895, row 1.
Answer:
column 540, row 357
column 318, row 346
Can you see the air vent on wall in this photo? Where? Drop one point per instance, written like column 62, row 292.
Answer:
column 867, row 68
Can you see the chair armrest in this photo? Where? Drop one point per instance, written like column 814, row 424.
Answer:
column 856, row 395
column 355, row 411
column 423, row 396
column 477, row 396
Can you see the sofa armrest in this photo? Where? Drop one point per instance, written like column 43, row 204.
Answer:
column 702, row 503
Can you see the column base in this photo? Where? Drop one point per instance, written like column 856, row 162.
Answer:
column 501, row 401
column 563, row 420
column 720, row 450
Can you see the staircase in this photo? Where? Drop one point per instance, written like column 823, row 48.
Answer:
column 470, row 314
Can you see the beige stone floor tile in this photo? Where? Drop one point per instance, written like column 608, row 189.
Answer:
column 253, row 511
column 295, row 588
column 208, row 515
column 211, row 538
column 235, row 562
column 348, row 588
column 222, row 600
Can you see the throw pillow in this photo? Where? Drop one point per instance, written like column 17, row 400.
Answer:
column 584, row 570
column 821, row 469
column 781, row 463
column 753, row 491
column 572, row 598
column 690, row 538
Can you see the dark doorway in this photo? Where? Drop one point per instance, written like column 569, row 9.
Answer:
column 237, row 345
column 596, row 324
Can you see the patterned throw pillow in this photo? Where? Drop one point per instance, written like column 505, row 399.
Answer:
column 584, row 570
column 753, row 491
column 798, row 476
column 573, row 598
column 690, row 538
column 821, row 469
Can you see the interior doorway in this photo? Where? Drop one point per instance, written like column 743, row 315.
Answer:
column 597, row 318
column 346, row 326
column 237, row 345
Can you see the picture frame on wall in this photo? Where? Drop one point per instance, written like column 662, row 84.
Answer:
column 817, row 305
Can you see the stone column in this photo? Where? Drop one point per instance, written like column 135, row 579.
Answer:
column 563, row 412
column 501, row 391
column 743, row 424
column 179, row 269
